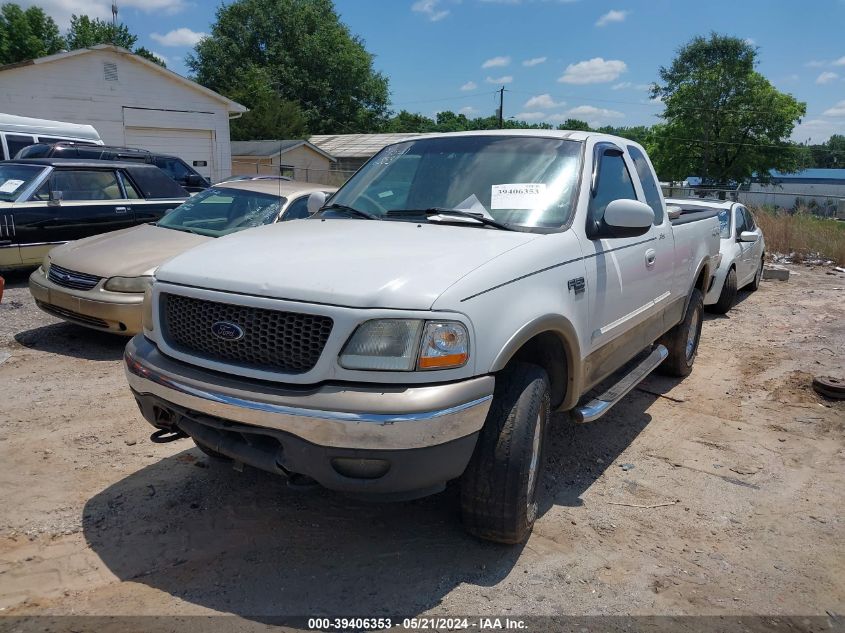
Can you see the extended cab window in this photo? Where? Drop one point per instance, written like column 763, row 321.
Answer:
column 650, row 188
column 614, row 183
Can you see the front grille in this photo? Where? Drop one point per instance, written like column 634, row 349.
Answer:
column 289, row 342
column 70, row 315
column 72, row 279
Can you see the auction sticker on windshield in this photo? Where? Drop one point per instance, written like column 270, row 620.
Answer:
column 526, row 195
column 10, row 186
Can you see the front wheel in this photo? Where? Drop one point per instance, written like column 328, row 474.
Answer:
column 728, row 294
column 682, row 340
column 499, row 489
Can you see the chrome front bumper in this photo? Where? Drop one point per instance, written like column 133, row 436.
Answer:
column 374, row 417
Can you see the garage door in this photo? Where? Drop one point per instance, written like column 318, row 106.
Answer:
column 193, row 146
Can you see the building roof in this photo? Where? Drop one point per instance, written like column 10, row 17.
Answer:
column 818, row 175
column 232, row 106
column 357, row 145
column 269, row 148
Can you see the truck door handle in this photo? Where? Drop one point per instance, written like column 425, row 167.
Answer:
column 121, row 209
column 650, row 256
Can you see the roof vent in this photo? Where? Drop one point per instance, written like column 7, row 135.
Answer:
column 110, row 71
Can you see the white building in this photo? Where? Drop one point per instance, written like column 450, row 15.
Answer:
column 129, row 100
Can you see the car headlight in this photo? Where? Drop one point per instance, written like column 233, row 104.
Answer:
column 147, row 310
column 45, row 265
column 128, row 284
column 405, row 345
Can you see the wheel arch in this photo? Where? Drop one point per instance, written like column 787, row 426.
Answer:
column 551, row 342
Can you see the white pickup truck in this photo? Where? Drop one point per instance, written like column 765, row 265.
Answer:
column 422, row 325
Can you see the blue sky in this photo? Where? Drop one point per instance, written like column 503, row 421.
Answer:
column 586, row 59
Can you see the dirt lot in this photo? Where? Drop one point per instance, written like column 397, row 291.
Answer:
column 96, row 519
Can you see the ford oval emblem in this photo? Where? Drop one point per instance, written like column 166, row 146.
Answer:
column 227, row 330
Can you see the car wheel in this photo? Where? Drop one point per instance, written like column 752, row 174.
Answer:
column 211, row 452
column 682, row 340
column 499, row 489
column 755, row 283
column 727, row 296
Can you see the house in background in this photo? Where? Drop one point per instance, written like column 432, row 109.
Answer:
column 353, row 150
column 296, row 159
column 821, row 189
column 130, row 100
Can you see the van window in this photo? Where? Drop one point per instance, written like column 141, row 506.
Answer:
column 16, row 142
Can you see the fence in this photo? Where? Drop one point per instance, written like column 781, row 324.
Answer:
column 829, row 204
column 331, row 177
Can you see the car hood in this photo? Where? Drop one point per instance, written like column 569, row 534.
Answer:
column 356, row 263
column 126, row 253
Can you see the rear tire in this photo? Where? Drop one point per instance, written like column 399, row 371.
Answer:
column 758, row 276
column 220, row 457
column 499, row 489
column 682, row 340
column 728, row 295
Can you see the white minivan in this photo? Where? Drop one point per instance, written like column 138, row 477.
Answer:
column 17, row 132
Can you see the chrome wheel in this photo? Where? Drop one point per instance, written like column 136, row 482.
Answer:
column 692, row 335
column 535, row 459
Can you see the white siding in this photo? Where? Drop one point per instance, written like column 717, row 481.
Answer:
column 75, row 89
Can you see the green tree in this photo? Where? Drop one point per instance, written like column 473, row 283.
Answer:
column 305, row 54
column 410, row 122
column 85, row 32
column 148, row 54
column 27, row 34
column 575, row 124
column 270, row 118
column 724, row 120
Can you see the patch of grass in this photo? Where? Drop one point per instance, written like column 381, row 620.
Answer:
column 802, row 234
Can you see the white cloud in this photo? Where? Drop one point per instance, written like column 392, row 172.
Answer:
column 61, row 10
column 591, row 114
column 817, row 130
column 625, row 85
column 593, row 71
column 612, row 16
column 470, row 85
column 826, row 77
column 815, row 63
column 839, row 62
column 530, row 116
column 543, row 101
column 622, row 86
column 496, row 62
column 468, row 110
column 506, row 79
column 430, row 9
column 536, row 61
column 179, row 37
column 837, row 110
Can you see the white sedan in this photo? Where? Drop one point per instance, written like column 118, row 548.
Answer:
column 741, row 250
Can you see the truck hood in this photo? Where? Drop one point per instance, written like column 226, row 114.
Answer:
column 355, row 263
column 126, row 253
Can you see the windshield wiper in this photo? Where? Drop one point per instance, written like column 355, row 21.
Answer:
column 398, row 213
column 350, row 210
column 184, row 229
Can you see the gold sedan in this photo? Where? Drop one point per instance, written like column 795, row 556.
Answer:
column 99, row 282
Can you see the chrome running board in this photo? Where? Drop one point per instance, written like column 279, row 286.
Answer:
column 597, row 407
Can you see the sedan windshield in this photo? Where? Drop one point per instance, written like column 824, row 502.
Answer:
column 518, row 181
column 14, row 179
column 219, row 211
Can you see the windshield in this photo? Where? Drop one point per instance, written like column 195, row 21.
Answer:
column 515, row 180
column 219, row 211
column 15, row 178
column 725, row 223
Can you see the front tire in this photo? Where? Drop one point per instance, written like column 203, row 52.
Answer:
column 682, row 340
column 499, row 489
column 728, row 295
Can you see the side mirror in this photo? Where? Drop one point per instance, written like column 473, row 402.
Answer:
column 56, row 198
column 315, row 202
column 195, row 180
column 628, row 218
column 748, row 236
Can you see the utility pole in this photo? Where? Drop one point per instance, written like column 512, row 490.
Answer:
column 113, row 21
column 501, row 106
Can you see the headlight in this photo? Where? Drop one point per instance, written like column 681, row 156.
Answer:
column 405, row 345
column 389, row 344
column 128, row 284
column 45, row 265
column 147, row 310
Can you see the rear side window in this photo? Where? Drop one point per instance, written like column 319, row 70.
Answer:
column 16, row 142
column 614, row 183
column 650, row 188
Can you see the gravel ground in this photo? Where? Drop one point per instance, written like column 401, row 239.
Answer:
column 742, row 462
